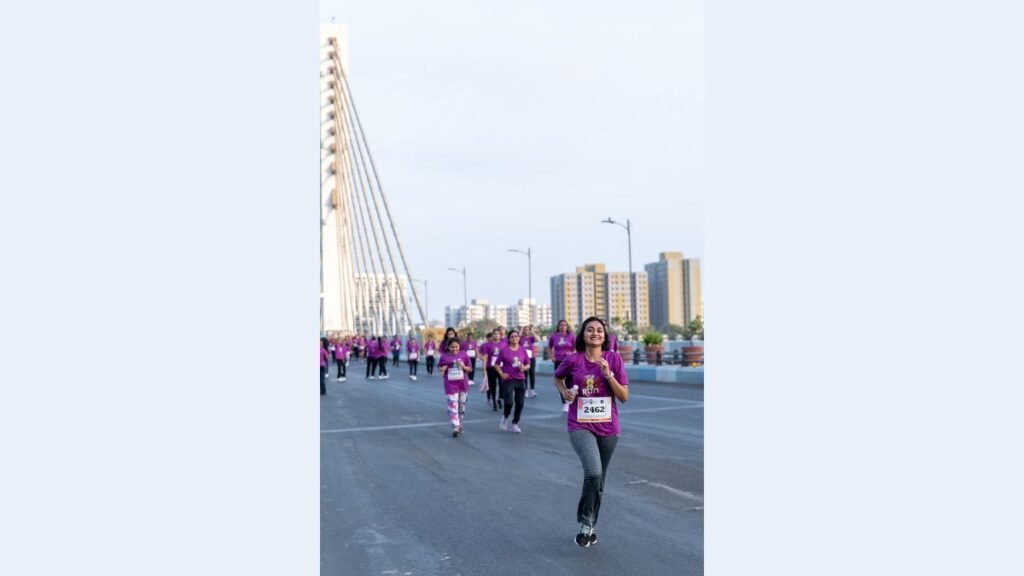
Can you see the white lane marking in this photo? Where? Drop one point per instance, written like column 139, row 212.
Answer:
column 478, row 421
column 675, row 491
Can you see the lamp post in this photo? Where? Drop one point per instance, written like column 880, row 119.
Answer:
column 632, row 281
column 426, row 298
column 529, row 272
column 465, row 293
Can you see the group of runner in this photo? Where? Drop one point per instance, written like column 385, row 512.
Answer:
column 589, row 376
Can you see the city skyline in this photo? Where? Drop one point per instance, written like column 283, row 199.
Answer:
column 508, row 144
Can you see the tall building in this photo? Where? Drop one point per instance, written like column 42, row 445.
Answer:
column 593, row 291
column 675, row 289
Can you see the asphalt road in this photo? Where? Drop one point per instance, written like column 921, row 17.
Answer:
column 400, row 496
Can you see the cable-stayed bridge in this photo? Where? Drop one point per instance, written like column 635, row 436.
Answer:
column 365, row 280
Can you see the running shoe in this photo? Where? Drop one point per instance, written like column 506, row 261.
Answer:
column 371, row 377
column 413, row 378
column 342, row 379
column 495, row 407
column 470, row 382
column 515, row 428
column 456, row 431
column 504, row 424
column 586, row 536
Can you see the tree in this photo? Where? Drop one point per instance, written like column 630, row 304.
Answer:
column 693, row 329
column 481, row 327
column 674, row 331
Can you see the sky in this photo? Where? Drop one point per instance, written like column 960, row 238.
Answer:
column 513, row 125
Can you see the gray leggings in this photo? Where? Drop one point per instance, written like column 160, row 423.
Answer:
column 595, row 453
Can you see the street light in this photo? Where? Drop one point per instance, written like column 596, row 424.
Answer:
column 632, row 281
column 529, row 271
column 465, row 293
column 426, row 298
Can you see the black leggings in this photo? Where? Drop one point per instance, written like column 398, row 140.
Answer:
column 394, row 357
column 413, row 365
column 341, row 367
column 430, row 365
column 373, row 363
column 472, row 368
column 492, row 385
column 530, row 375
column 513, row 389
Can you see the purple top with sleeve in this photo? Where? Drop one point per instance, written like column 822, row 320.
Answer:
column 453, row 386
column 562, row 344
column 323, row 357
column 593, row 403
column 484, row 351
column 340, row 352
column 513, row 362
column 396, row 344
column 528, row 343
column 412, row 347
column 467, row 345
column 430, row 348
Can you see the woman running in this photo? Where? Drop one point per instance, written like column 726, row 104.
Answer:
column 600, row 382
column 412, row 356
column 511, row 364
column 453, row 366
column 561, row 343
column 429, row 349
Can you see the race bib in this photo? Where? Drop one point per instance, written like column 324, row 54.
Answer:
column 413, row 355
column 594, row 410
column 471, row 353
column 430, row 352
column 455, row 372
column 529, row 353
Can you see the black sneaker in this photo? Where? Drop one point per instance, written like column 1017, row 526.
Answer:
column 593, row 538
column 586, row 537
column 582, row 540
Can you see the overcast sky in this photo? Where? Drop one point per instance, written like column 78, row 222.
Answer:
column 498, row 125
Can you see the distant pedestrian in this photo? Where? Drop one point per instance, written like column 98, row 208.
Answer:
column 429, row 350
column 381, row 358
column 469, row 347
column 341, row 358
column 454, row 366
column 511, row 365
column 412, row 356
column 396, row 349
column 489, row 354
column 561, row 343
column 527, row 340
column 599, row 384
column 324, row 355
column 371, row 358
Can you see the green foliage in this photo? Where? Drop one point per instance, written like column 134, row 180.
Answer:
column 674, row 331
column 652, row 338
column 480, row 328
column 695, row 329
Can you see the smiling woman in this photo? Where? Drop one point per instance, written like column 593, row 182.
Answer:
column 599, row 382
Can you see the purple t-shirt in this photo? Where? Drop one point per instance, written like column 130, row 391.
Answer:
column 513, row 362
column 412, row 347
column 470, row 344
column 591, row 409
column 323, row 357
column 340, row 352
column 562, row 344
column 453, row 386
column 430, row 348
column 396, row 344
